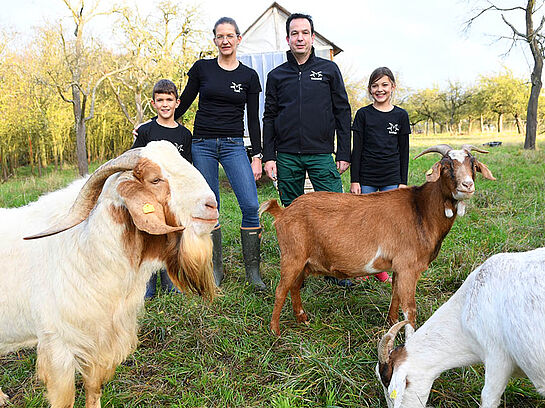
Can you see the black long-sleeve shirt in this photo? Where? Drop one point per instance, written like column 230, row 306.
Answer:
column 380, row 154
column 178, row 136
column 222, row 97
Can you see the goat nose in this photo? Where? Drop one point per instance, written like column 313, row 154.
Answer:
column 468, row 184
column 211, row 203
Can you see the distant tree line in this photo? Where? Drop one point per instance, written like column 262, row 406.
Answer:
column 68, row 97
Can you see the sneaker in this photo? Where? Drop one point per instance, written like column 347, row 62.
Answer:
column 345, row 283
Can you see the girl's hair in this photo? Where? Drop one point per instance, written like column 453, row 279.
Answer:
column 379, row 73
column 226, row 20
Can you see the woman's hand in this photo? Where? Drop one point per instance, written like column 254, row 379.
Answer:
column 135, row 130
column 355, row 188
column 257, row 168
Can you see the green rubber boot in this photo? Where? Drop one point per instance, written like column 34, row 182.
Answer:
column 217, row 257
column 250, row 250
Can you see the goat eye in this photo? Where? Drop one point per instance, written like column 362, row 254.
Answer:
column 156, row 180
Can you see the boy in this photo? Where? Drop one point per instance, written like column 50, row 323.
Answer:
column 164, row 101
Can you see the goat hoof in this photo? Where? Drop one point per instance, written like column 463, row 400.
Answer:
column 275, row 330
column 302, row 318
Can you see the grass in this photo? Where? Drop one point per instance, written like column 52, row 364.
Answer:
column 194, row 354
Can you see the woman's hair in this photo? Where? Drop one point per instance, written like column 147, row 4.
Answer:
column 379, row 73
column 226, row 20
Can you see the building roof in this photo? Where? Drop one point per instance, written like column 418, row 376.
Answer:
column 268, row 33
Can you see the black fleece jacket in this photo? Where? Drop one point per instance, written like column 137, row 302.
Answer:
column 304, row 106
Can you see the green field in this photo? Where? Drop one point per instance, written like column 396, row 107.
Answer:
column 194, row 354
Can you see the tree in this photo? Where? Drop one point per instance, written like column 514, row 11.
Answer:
column 84, row 81
column 504, row 94
column 454, row 99
column 156, row 46
column 534, row 37
column 427, row 104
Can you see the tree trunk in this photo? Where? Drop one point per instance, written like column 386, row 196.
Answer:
column 30, row 155
column 531, row 112
column 518, row 123
column 500, row 122
column 482, row 123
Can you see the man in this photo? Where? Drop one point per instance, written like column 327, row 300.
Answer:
column 305, row 104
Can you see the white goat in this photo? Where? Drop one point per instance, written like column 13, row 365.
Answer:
column 76, row 295
column 496, row 317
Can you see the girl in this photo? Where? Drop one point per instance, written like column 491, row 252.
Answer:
column 380, row 156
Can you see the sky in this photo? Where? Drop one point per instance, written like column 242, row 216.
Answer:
column 422, row 41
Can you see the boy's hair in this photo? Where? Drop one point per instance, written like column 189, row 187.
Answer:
column 164, row 86
column 379, row 73
column 226, row 20
column 299, row 15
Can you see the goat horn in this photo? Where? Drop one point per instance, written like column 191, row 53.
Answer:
column 469, row 148
column 386, row 344
column 88, row 195
column 440, row 148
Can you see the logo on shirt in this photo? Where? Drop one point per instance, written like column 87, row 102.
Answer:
column 316, row 75
column 179, row 147
column 393, row 128
column 236, row 87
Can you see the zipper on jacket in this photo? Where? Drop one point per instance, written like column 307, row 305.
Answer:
column 300, row 111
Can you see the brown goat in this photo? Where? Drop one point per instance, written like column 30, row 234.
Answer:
column 346, row 235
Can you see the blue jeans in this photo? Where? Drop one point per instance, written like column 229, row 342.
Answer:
column 230, row 153
column 373, row 189
column 166, row 284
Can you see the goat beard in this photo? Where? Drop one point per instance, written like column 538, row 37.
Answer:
column 190, row 266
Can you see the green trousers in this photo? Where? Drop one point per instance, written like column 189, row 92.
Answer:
column 291, row 168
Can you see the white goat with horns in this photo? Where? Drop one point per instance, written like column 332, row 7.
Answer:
column 496, row 317
column 76, row 295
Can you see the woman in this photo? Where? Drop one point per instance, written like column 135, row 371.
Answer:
column 225, row 86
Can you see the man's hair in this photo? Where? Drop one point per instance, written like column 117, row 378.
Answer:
column 226, row 20
column 379, row 73
column 299, row 15
column 164, row 86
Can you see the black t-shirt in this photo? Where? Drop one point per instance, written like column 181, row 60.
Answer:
column 178, row 136
column 380, row 155
column 222, row 97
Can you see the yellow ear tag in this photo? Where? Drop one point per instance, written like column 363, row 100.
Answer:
column 429, row 172
column 148, row 208
column 393, row 395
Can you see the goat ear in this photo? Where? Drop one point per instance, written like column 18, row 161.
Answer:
column 433, row 173
column 397, row 386
column 481, row 168
column 146, row 212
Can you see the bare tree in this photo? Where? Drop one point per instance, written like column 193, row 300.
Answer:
column 161, row 45
column 535, row 39
column 81, row 89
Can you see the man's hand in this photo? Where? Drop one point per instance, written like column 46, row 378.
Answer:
column 270, row 169
column 342, row 166
column 355, row 188
column 257, row 168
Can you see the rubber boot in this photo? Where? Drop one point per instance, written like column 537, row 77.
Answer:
column 251, row 252
column 217, row 256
